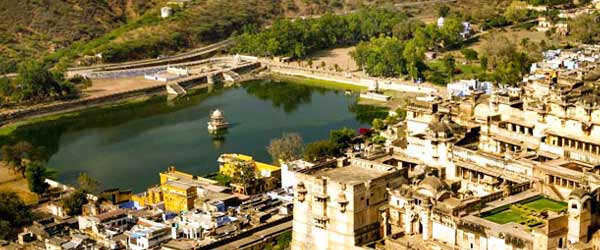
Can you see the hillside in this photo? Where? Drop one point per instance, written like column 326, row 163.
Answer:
column 67, row 31
column 31, row 28
column 197, row 23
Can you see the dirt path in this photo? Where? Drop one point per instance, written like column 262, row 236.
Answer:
column 102, row 87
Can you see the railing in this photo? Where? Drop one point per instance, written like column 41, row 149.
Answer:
column 531, row 141
column 490, row 164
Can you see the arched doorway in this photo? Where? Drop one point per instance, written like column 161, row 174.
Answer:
column 560, row 243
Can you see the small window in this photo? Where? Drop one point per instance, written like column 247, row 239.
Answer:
column 367, row 202
column 574, row 206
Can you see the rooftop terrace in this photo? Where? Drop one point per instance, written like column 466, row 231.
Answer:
column 351, row 174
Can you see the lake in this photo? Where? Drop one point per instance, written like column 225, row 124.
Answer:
column 127, row 145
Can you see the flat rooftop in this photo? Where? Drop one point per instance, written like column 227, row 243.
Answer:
column 351, row 174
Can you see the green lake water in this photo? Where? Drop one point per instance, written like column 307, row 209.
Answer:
column 128, row 145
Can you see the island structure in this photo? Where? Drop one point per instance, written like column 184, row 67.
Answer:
column 217, row 121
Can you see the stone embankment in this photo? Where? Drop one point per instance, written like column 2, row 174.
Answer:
column 352, row 79
column 151, row 70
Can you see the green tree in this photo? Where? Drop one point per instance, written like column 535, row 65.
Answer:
column 224, row 180
column 286, row 148
column 516, row 11
column 414, row 55
column 88, row 184
column 380, row 56
column 401, row 113
column 284, row 240
column 443, row 10
column 341, row 139
column 586, row 28
column 525, row 42
column 18, row 155
column 450, row 32
column 378, row 140
column 392, row 119
column 508, row 63
column 319, row 149
column 244, row 172
column 35, row 82
column 378, row 124
column 469, row 54
column 6, row 90
column 337, row 68
column 74, row 202
column 449, row 65
column 483, row 62
column 36, row 174
column 14, row 214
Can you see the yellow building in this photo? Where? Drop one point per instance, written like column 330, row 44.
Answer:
column 178, row 195
column 116, row 195
column 269, row 176
column 177, row 190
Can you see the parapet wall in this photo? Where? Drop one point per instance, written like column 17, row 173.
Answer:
column 341, row 77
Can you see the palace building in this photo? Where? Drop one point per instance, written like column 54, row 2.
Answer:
column 515, row 168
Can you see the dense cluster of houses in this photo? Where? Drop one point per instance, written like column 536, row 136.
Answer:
column 183, row 212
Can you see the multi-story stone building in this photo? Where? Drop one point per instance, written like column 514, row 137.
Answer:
column 339, row 205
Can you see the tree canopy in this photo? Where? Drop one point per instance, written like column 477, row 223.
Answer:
column 318, row 149
column 297, row 38
column 517, row 11
column 586, row 28
column 286, row 148
column 504, row 58
column 404, row 53
column 36, row 174
column 74, row 202
column 18, row 155
column 35, row 82
column 14, row 214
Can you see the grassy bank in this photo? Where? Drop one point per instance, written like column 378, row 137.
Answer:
column 318, row 83
column 11, row 127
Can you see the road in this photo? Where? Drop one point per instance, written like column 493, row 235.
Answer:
column 199, row 52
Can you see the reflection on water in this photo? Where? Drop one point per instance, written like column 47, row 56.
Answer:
column 286, row 96
column 127, row 145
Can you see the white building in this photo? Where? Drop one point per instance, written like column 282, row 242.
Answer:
column 166, row 12
column 147, row 234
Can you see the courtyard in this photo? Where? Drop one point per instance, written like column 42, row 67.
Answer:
column 527, row 212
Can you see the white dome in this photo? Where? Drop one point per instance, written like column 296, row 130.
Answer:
column 217, row 114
